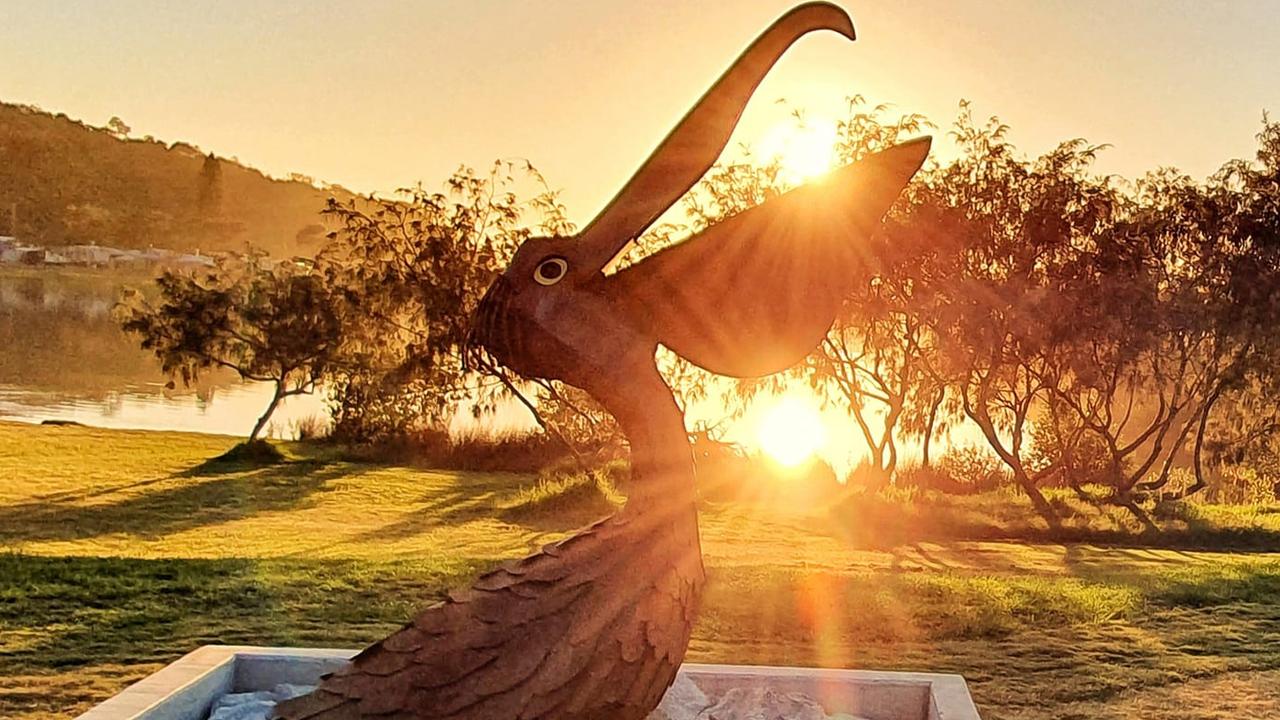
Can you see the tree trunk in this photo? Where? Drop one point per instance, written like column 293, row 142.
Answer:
column 271, row 407
column 1038, row 501
column 1197, row 462
column 928, row 429
column 1042, row 507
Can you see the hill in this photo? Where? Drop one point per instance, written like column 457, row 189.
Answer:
column 63, row 182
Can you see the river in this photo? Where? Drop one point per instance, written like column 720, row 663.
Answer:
column 63, row 357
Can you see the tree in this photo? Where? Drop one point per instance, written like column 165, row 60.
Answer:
column 268, row 322
column 209, row 193
column 116, row 127
column 1005, row 228
column 867, row 366
column 1148, row 352
column 1112, row 326
column 408, row 273
column 872, row 361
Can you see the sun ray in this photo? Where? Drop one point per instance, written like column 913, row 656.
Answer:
column 791, row 432
column 804, row 149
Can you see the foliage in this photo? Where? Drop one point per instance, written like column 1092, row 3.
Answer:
column 1076, row 457
column 1106, row 325
column 408, row 273
column 974, row 468
column 874, row 362
column 483, row 451
column 250, row 452
column 1097, row 334
column 269, row 322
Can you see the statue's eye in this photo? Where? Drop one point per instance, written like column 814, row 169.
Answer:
column 551, row 271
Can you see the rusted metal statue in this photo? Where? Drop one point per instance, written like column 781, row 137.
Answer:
column 595, row 627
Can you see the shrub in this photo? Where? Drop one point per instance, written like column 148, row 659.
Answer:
column 251, row 452
column 930, row 478
column 1088, row 462
column 311, row 427
column 528, row 452
column 1233, row 485
column 974, row 469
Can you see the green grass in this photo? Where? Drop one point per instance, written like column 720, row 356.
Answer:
column 120, row 551
column 892, row 517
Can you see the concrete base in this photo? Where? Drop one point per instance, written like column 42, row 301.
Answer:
column 187, row 688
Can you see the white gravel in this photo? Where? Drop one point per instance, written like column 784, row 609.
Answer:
column 683, row 701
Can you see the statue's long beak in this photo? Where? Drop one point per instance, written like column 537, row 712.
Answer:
column 697, row 140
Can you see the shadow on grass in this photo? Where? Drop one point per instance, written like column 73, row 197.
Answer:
column 232, row 495
column 243, row 456
column 441, row 509
column 85, row 611
column 875, row 521
column 1174, row 580
column 558, row 504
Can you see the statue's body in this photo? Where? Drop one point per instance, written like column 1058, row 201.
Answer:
column 595, row 627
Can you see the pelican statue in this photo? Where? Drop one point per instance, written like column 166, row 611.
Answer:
column 595, row 627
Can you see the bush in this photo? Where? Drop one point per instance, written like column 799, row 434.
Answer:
column 866, row 476
column 1233, row 485
column 511, row 452
column 1089, row 462
column 251, row 452
column 931, row 478
column 974, row 469
column 311, row 427
column 379, row 410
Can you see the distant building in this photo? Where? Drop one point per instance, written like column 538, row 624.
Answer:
column 94, row 255
column 22, row 255
column 100, row 256
column 130, row 259
column 54, row 257
column 193, row 260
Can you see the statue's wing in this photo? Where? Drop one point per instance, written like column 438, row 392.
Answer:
column 594, row 626
column 755, row 293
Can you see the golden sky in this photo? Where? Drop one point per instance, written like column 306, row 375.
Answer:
column 378, row 95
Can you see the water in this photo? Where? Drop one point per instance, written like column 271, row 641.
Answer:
column 63, row 357
column 229, row 410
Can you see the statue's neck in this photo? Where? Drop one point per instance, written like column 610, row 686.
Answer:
column 661, row 461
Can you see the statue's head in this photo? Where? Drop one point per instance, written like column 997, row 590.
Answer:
column 748, row 296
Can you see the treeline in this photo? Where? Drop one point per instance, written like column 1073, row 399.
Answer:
column 63, row 182
column 1115, row 337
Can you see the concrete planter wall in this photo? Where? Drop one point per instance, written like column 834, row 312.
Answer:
column 187, row 688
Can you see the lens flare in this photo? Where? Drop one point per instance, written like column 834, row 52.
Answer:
column 791, row 431
column 805, row 150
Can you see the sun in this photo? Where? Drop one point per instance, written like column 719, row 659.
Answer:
column 806, row 150
column 791, row 431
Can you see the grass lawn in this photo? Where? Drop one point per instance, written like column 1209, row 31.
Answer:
column 120, row 551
